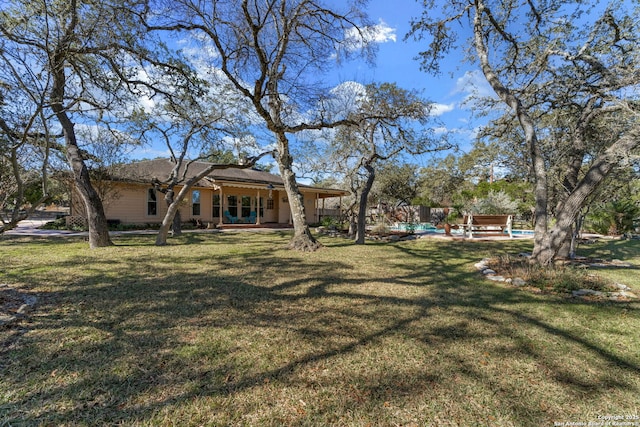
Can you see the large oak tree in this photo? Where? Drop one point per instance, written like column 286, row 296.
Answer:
column 568, row 74
column 388, row 121
column 82, row 48
column 275, row 53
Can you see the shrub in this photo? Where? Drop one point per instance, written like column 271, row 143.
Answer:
column 557, row 278
column 58, row 224
column 496, row 202
column 380, row 228
column 329, row 221
column 614, row 218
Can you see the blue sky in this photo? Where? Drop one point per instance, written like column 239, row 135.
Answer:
column 396, row 62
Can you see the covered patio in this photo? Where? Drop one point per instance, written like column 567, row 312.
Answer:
column 226, row 198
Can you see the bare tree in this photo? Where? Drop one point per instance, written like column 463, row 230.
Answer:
column 25, row 138
column 24, row 162
column 274, row 52
column 195, row 120
column 550, row 60
column 85, row 51
column 390, row 121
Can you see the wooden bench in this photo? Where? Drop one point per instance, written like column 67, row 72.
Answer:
column 487, row 224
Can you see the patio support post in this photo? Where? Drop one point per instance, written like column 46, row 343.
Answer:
column 317, row 207
column 221, row 207
column 258, row 209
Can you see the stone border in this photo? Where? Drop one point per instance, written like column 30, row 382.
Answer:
column 28, row 302
column 623, row 291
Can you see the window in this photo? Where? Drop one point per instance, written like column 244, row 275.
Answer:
column 270, row 204
column 195, row 202
column 246, row 206
column 216, row 205
column 232, row 204
column 152, row 202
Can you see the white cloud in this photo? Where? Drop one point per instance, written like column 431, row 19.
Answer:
column 146, row 152
column 440, row 109
column 147, row 103
column 349, row 91
column 474, row 84
column 379, row 33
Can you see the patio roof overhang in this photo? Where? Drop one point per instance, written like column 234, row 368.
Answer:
column 148, row 171
column 323, row 193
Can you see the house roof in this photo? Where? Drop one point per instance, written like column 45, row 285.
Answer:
column 146, row 171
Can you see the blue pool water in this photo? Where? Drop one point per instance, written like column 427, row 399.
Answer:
column 522, row 232
column 429, row 227
column 421, row 226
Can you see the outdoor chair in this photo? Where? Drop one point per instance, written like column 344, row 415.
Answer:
column 230, row 218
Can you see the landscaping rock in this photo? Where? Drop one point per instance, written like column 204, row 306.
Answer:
column 620, row 263
column 519, row 282
column 585, row 292
column 480, row 265
column 624, row 294
column 409, row 237
column 622, row 287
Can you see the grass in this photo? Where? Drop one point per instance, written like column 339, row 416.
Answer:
column 234, row 329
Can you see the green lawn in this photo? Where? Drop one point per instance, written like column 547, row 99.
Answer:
column 234, row 329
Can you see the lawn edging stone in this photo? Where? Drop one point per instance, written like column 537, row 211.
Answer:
column 623, row 291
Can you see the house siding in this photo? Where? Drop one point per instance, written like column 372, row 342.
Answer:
column 129, row 205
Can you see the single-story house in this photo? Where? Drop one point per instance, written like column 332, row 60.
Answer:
column 225, row 196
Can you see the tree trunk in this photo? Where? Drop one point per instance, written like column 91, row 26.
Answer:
column 362, row 206
column 548, row 243
column 17, row 214
column 571, row 178
column 96, row 219
column 547, row 250
column 353, row 226
column 527, row 125
column 176, row 227
column 168, row 220
column 577, row 226
column 302, row 238
column 447, row 229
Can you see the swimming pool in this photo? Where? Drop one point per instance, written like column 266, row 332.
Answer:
column 420, row 227
column 409, row 226
column 430, row 228
column 523, row 232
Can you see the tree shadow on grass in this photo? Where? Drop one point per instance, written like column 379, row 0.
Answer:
column 121, row 345
column 612, row 249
